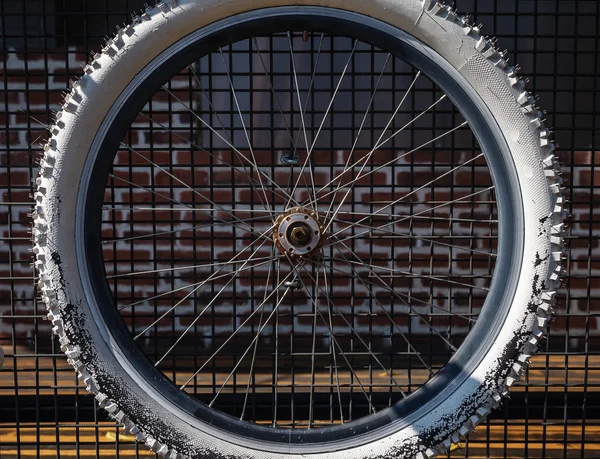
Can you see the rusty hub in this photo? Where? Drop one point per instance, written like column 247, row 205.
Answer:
column 298, row 233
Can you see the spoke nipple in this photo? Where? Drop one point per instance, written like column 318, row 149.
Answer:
column 290, row 160
column 293, row 284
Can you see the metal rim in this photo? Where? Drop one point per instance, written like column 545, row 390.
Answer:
column 402, row 409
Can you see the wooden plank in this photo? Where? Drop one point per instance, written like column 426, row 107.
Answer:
column 48, row 440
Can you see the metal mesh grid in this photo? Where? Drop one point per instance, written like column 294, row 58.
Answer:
column 551, row 414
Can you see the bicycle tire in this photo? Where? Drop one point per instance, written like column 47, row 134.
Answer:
column 86, row 339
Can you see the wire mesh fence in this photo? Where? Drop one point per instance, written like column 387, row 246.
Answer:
column 44, row 409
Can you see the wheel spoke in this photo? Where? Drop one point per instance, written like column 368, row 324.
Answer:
column 252, row 180
column 392, row 291
column 250, row 161
column 310, row 90
column 365, row 160
column 184, row 268
column 214, row 111
column 179, row 230
column 276, row 359
column 242, row 210
column 207, row 280
column 392, row 234
column 255, row 340
column 179, row 289
column 314, row 143
column 378, row 146
column 212, row 301
column 260, row 321
column 331, row 345
column 444, row 219
column 273, row 92
column 355, row 375
column 360, row 129
column 389, row 163
column 373, row 284
column 485, row 190
column 314, row 344
column 353, row 330
column 239, row 110
column 368, row 285
column 185, row 207
column 310, row 169
column 406, row 274
column 196, row 192
column 197, row 372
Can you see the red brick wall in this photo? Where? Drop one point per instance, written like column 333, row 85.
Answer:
column 32, row 87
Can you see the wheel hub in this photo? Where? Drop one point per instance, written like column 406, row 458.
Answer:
column 298, row 233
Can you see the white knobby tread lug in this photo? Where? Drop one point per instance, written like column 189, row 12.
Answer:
column 475, row 420
column 483, row 411
column 464, row 430
column 446, row 445
column 151, row 443
column 163, row 451
column 455, row 438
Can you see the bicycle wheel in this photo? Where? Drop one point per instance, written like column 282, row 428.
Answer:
column 278, row 229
